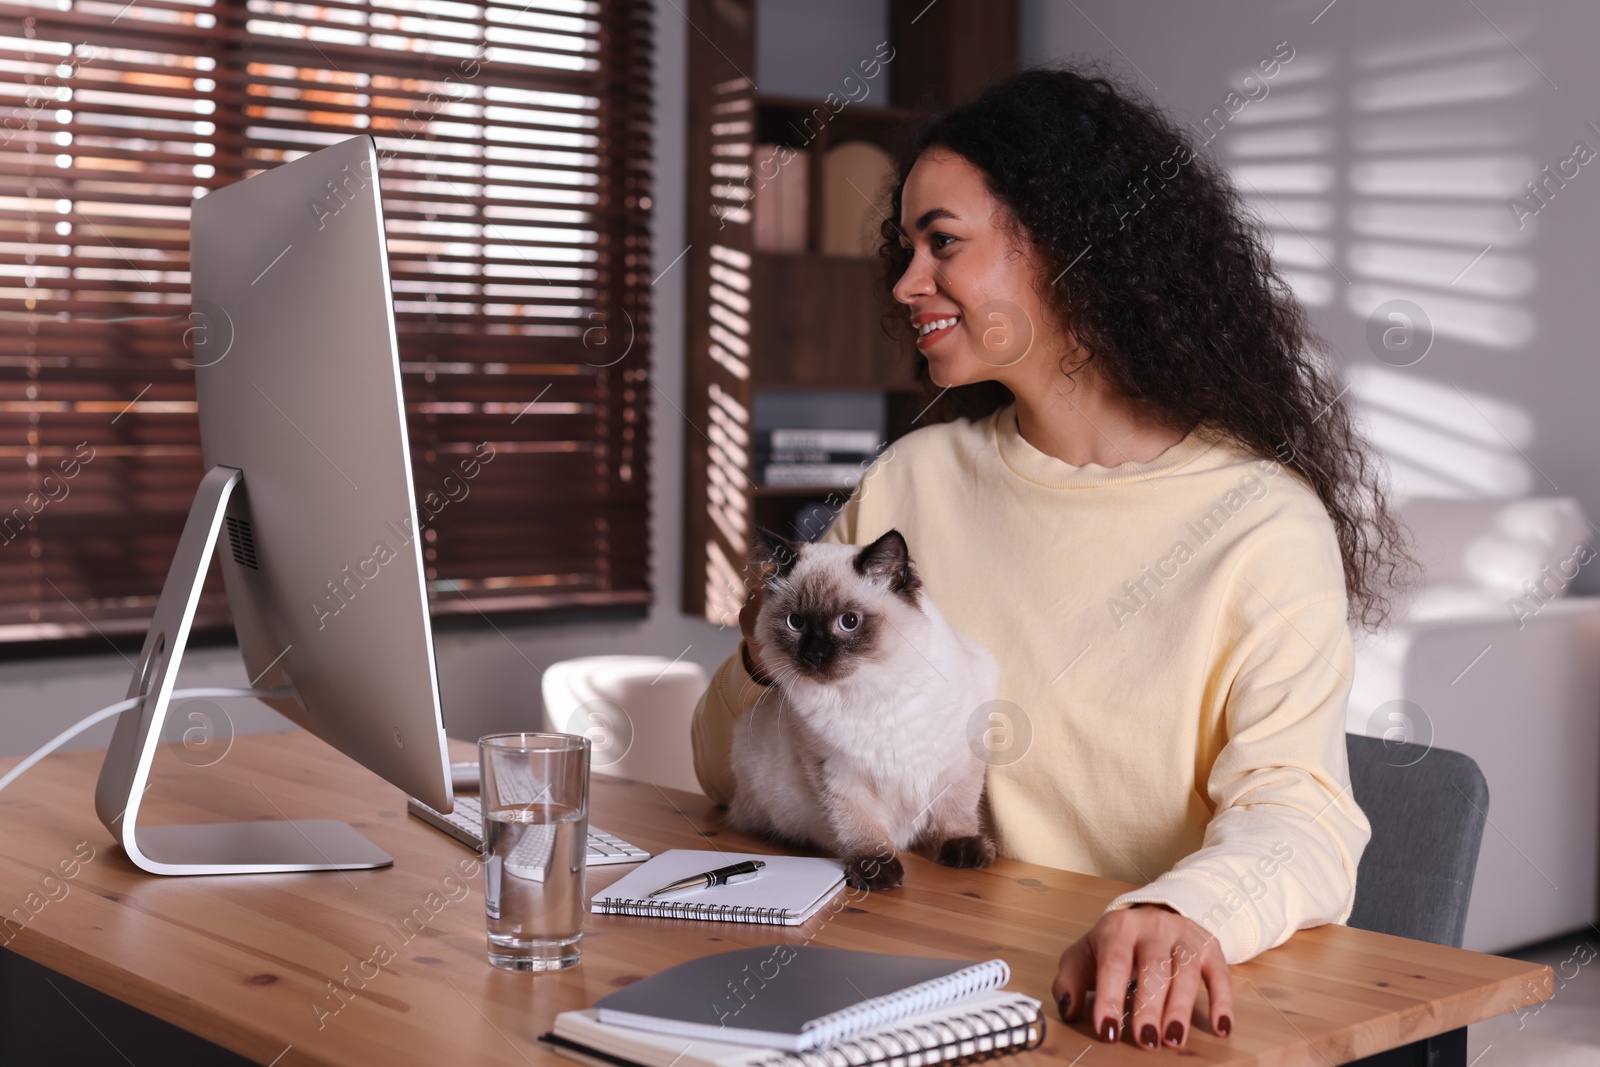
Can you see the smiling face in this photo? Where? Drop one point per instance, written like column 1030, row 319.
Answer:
column 973, row 283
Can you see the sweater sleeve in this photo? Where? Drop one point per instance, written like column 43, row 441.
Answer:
column 732, row 692
column 1281, row 848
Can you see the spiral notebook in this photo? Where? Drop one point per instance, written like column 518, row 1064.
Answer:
column 990, row 1024
column 787, row 892
column 794, row 997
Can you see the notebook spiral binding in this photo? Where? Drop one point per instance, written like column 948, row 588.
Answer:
column 680, row 909
column 878, row 1011
column 983, row 1035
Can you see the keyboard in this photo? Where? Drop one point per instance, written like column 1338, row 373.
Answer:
column 465, row 824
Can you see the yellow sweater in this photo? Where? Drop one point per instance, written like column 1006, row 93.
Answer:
column 1174, row 659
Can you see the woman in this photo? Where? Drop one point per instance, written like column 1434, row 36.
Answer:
column 1154, row 512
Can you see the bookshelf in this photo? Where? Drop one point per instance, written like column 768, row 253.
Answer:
column 760, row 321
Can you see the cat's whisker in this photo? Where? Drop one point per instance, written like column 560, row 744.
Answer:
column 782, row 675
column 786, row 671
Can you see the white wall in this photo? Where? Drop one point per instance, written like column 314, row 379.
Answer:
column 1390, row 145
column 809, row 47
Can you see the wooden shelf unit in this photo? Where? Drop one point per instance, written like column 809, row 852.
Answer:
column 816, row 322
column 760, row 320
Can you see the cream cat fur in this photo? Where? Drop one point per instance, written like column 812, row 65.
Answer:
column 860, row 748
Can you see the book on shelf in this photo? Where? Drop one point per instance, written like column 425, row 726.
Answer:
column 805, row 457
column 801, row 455
column 779, row 209
column 805, row 439
column 806, row 475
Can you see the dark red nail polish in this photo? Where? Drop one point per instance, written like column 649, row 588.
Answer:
column 1108, row 1030
column 1147, row 1036
column 1224, row 1025
column 1174, row 1033
column 1064, row 1005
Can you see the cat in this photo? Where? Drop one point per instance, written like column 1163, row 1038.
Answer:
column 860, row 746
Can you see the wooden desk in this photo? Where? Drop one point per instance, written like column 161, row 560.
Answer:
column 248, row 962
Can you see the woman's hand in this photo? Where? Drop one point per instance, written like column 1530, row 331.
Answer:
column 1168, row 956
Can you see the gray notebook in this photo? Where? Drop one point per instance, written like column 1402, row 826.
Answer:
column 794, row 997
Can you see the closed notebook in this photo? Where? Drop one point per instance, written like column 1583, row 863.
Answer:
column 978, row 1028
column 794, row 997
column 787, row 892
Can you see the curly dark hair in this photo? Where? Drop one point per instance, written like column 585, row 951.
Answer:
column 1176, row 303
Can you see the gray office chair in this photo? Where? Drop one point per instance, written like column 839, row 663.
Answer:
column 1427, row 808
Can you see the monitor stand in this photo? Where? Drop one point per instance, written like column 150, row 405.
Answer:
column 207, row 848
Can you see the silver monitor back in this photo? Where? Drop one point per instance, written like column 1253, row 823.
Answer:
column 309, row 498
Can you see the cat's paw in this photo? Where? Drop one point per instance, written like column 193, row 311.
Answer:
column 874, row 872
column 966, row 852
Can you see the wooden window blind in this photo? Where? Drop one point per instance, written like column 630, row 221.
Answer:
column 514, row 140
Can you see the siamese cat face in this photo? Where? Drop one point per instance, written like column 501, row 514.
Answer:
column 829, row 609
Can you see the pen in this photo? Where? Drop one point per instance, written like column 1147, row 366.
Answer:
column 720, row 876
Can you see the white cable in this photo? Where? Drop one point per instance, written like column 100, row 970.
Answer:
column 125, row 705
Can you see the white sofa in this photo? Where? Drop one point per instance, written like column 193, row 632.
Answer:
column 1491, row 659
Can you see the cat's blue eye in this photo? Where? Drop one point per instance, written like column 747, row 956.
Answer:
column 849, row 621
column 795, row 621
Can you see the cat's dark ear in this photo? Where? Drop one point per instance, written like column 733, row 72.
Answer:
column 773, row 555
column 889, row 559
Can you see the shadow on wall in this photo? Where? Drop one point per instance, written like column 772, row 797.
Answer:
column 1397, row 183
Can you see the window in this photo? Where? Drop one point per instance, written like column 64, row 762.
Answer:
column 516, row 177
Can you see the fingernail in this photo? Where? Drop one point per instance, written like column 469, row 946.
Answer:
column 1064, row 1005
column 1108, row 1030
column 1147, row 1036
column 1224, row 1025
column 1174, row 1033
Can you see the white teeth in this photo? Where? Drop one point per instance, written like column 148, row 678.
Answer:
column 937, row 324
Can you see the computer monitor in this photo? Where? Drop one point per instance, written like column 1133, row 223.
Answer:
column 308, row 488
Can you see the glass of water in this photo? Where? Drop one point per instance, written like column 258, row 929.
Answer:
column 535, row 794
